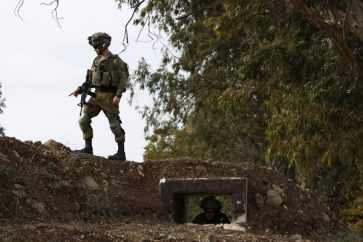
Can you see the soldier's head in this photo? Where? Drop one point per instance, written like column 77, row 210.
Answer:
column 100, row 42
column 211, row 207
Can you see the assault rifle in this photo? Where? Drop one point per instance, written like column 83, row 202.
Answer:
column 85, row 90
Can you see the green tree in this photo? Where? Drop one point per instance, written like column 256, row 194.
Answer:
column 274, row 82
column 191, row 92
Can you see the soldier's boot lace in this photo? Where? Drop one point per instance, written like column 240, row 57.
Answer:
column 87, row 147
column 120, row 154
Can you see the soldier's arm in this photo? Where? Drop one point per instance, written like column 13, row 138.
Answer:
column 84, row 85
column 76, row 92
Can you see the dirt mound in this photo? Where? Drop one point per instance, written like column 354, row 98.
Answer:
column 48, row 182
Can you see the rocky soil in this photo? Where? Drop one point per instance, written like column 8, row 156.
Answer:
column 50, row 193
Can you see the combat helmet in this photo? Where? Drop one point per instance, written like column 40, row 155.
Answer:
column 210, row 203
column 100, row 40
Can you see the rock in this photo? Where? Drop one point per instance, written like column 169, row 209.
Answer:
column 42, row 225
column 18, row 187
column 29, row 227
column 37, row 143
column 140, row 171
column 19, row 193
column 234, row 227
column 52, row 144
column 326, row 218
column 91, row 183
column 260, row 201
column 296, row 236
column 241, row 219
column 171, row 238
column 16, row 154
column 277, row 189
column 39, row 206
column 285, row 207
column 273, row 198
column 161, row 236
column 4, row 158
column 201, row 169
column 104, row 175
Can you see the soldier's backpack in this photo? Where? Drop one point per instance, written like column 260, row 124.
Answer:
column 126, row 68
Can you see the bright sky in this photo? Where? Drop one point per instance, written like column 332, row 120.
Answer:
column 41, row 64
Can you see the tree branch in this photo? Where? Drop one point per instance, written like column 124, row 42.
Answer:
column 125, row 40
column 17, row 9
column 337, row 39
column 346, row 20
column 54, row 11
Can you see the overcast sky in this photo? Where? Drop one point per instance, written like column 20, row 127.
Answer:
column 41, row 64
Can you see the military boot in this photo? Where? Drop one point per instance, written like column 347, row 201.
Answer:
column 87, row 147
column 120, row 155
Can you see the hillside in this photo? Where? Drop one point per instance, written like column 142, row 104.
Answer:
column 48, row 192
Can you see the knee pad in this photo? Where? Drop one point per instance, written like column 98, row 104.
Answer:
column 84, row 120
column 115, row 126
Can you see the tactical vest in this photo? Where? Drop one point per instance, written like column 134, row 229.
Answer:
column 105, row 73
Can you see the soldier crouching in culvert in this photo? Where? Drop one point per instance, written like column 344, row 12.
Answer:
column 212, row 212
column 108, row 76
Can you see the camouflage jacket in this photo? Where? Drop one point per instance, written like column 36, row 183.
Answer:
column 220, row 218
column 109, row 74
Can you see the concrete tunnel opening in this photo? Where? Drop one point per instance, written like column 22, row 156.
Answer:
column 177, row 195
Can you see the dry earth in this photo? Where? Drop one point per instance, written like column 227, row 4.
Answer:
column 50, row 193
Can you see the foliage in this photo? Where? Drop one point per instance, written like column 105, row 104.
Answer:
column 199, row 79
column 274, row 82
column 353, row 214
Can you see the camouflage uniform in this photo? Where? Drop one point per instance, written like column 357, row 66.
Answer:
column 108, row 75
column 219, row 218
column 109, row 78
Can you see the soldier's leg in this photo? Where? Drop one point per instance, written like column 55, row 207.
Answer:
column 85, row 121
column 85, row 125
column 112, row 113
column 119, row 133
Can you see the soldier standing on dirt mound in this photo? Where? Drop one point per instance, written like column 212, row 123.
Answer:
column 108, row 76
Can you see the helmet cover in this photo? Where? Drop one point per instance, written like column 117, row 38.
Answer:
column 99, row 41
column 210, row 203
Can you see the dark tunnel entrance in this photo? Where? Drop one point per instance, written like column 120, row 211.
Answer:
column 181, row 196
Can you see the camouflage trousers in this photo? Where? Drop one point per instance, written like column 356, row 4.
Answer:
column 102, row 102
